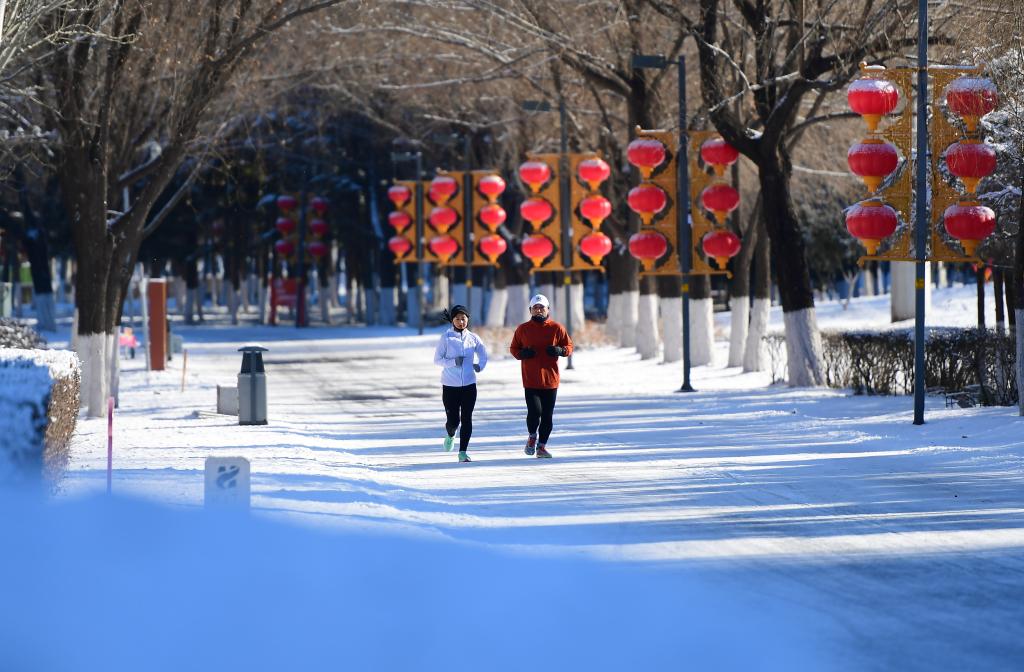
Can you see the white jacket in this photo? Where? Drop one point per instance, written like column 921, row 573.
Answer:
column 459, row 344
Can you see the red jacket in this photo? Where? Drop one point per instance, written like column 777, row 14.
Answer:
column 541, row 370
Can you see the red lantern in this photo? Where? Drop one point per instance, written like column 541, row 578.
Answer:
column 286, row 203
column 537, row 248
column 443, row 218
column 399, row 246
column 493, row 247
column 442, row 188
column 536, row 211
column 970, row 223
column 491, row 186
column 722, row 246
column 595, row 209
column 648, row 247
column 971, row 98
column 319, row 205
column 534, row 174
column 872, row 99
column 718, row 154
column 492, row 216
column 318, row 249
column 596, row 246
column 647, row 200
column 720, row 199
column 872, row 160
column 284, row 248
column 319, row 227
column 444, row 247
column 399, row 194
column 870, row 222
column 285, row 225
column 646, row 154
column 593, row 172
column 400, row 220
column 971, row 160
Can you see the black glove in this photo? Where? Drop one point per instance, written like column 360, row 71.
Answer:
column 476, row 367
column 527, row 353
column 555, row 350
column 458, row 361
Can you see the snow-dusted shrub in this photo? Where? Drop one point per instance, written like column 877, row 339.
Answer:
column 883, row 362
column 14, row 335
column 29, row 378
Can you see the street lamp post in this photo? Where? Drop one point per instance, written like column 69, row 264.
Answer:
column 685, row 238
column 921, row 223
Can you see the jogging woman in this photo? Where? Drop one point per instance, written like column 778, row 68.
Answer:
column 455, row 352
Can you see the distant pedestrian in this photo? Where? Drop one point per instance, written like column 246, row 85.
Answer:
column 538, row 344
column 455, row 352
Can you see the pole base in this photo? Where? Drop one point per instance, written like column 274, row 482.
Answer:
column 258, row 422
column 686, row 387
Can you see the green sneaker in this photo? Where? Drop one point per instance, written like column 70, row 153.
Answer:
column 449, row 441
column 464, row 457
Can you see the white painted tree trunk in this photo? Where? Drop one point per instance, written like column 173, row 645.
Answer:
column 739, row 322
column 647, row 340
column 325, row 305
column 1019, row 338
column 517, row 311
column 460, row 295
column 387, row 306
column 579, row 316
column 476, row 301
column 613, row 322
column 702, row 332
column 803, row 348
column 902, row 274
column 233, row 301
column 754, row 350
column 556, row 301
column 92, row 351
column 74, row 332
column 332, row 291
column 114, row 366
column 46, row 311
column 672, row 327
column 630, row 313
column 370, row 301
column 496, row 309
column 412, row 307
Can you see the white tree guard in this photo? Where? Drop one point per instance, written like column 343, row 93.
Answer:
column 517, row 311
column 647, row 340
column 497, row 307
column 754, row 355
column 702, row 332
column 803, row 349
column 92, row 351
column 630, row 313
column 672, row 328
column 902, row 275
column 739, row 307
column 613, row 322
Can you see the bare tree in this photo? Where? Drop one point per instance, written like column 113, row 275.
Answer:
column 130, row 96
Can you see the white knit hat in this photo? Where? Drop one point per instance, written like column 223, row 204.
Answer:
column 541, row 299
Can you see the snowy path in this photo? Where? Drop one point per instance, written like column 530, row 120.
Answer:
column 836, row 505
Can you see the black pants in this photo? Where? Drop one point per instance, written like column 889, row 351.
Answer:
column 540, row 405
column 458, row 405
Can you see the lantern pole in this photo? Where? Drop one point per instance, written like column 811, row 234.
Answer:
column 922, row 208
column 566, row 217
column 684, row 230
column 420, row 264
column 684, row 235
column 300, row 294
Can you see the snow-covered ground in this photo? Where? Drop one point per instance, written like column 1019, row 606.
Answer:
column 743, row 526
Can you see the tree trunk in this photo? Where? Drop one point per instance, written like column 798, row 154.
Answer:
column 499, row 300
column 670, row 304
column 803, row 341
column 754, row 355
column 702, row 326
column 623, row 298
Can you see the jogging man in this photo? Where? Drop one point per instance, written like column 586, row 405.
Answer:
column 538, row 344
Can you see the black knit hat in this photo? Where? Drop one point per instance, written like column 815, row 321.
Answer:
column 449, row 314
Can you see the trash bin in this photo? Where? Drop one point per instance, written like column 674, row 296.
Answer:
column 252, row 387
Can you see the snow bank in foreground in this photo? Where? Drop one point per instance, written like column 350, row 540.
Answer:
column 119, row 585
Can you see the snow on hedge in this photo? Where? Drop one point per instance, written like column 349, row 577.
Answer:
column 26, row 380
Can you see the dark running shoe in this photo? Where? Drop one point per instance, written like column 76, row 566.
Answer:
column 542, row 452
column 530, row 443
